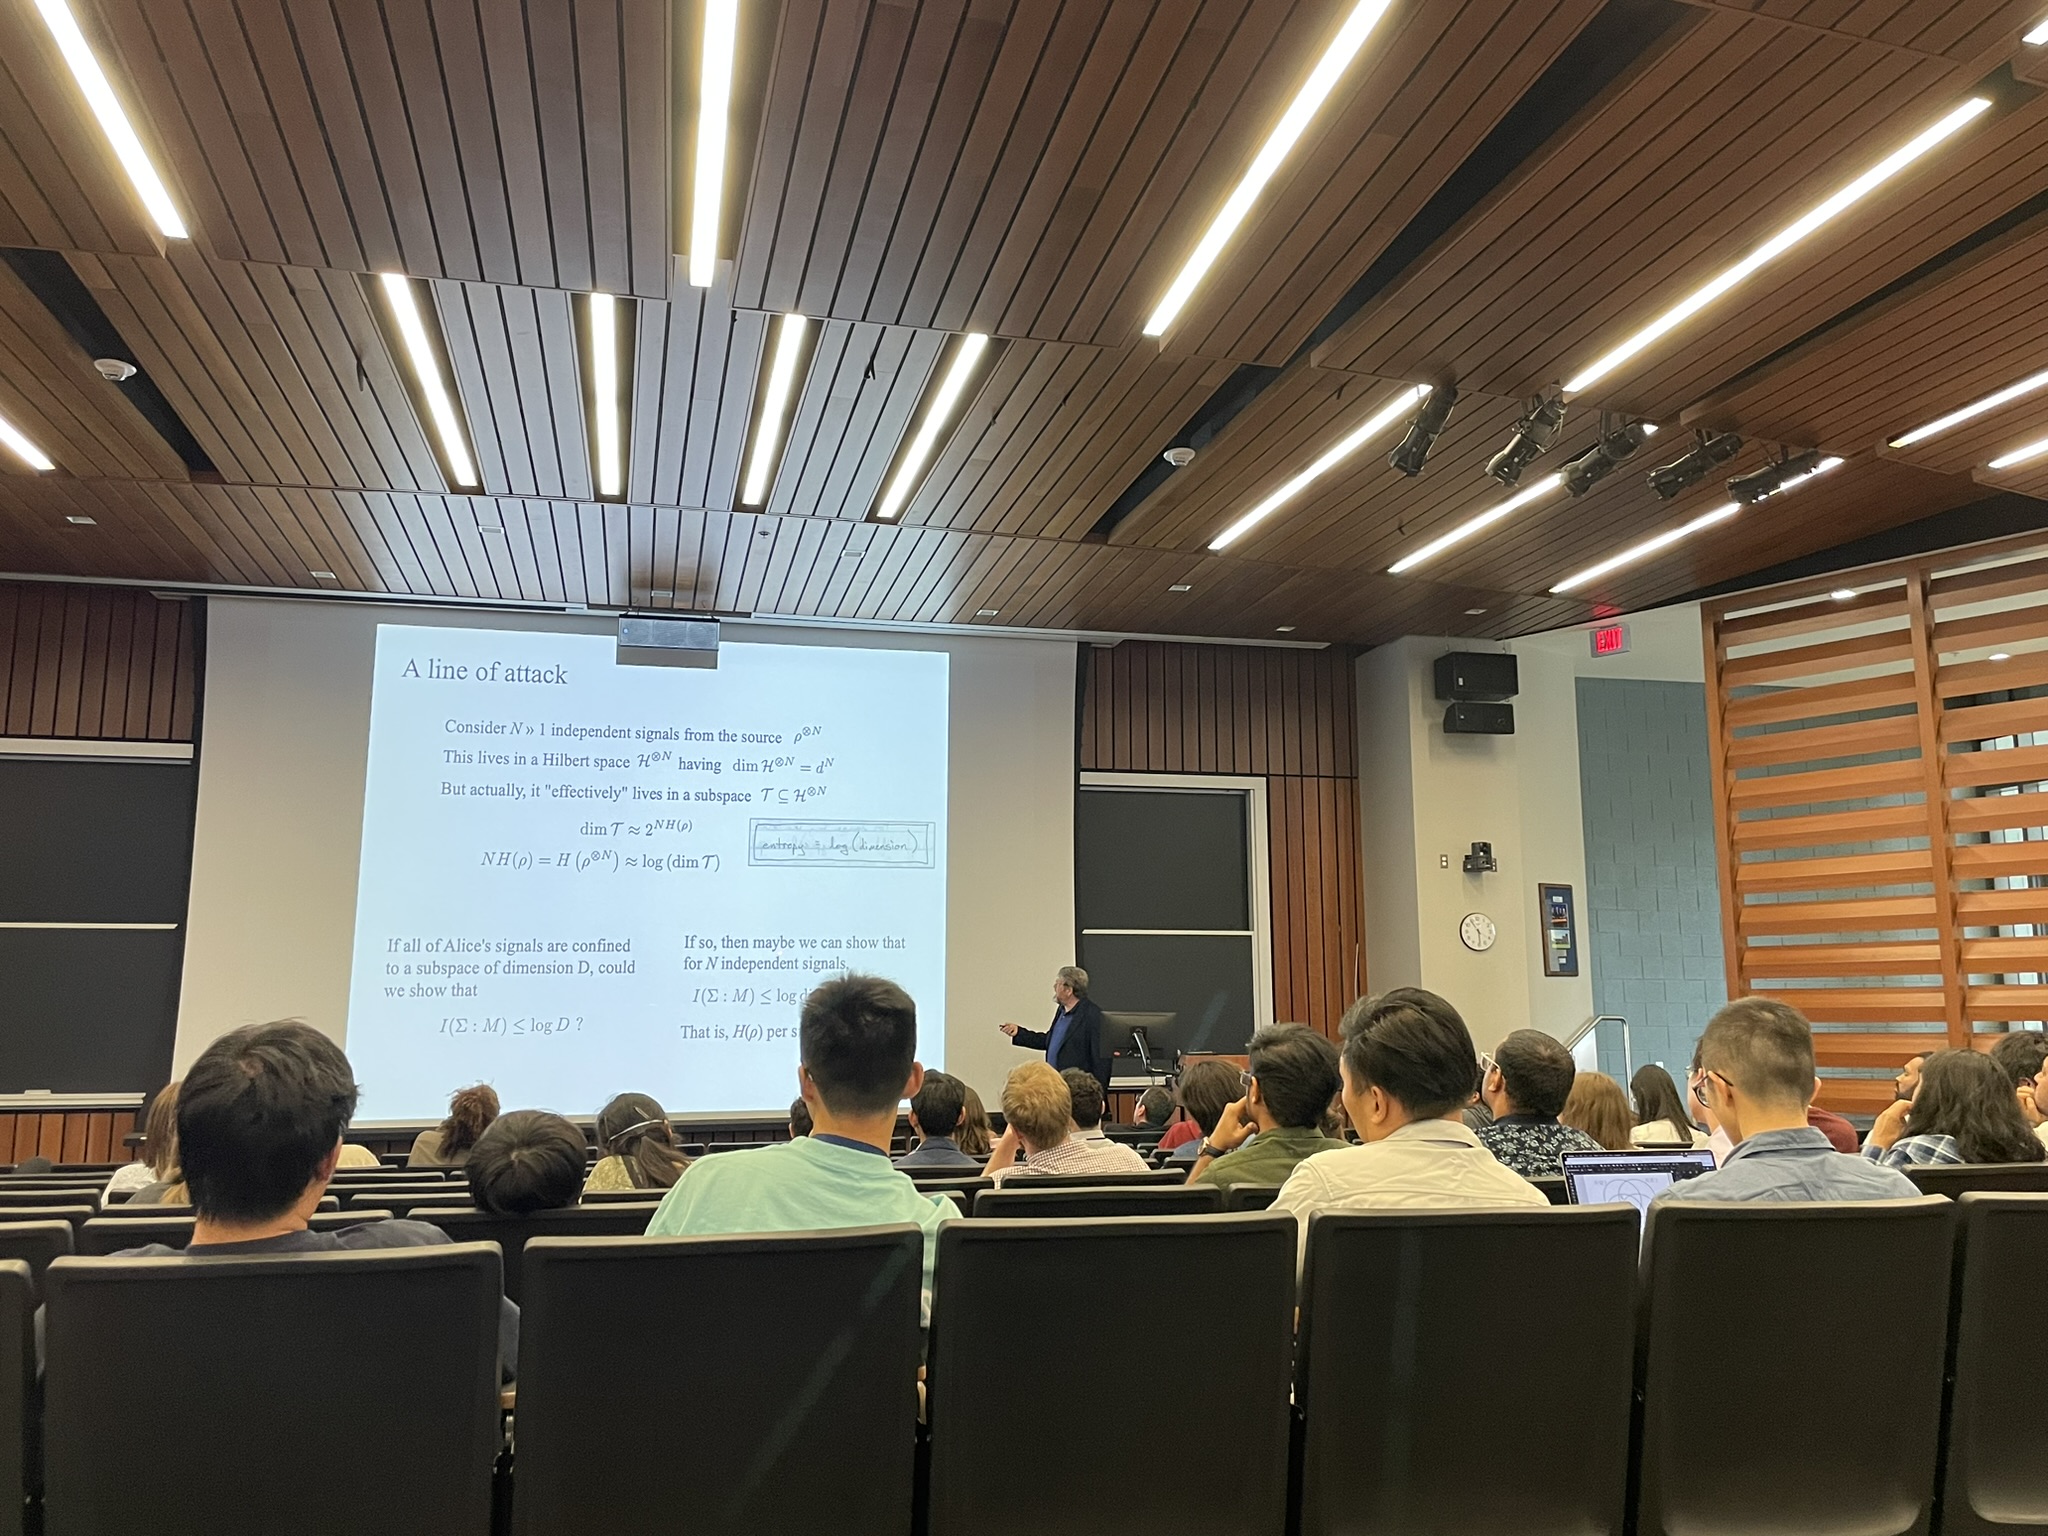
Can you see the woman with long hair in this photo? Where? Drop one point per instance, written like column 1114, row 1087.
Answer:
column 470, row 1113
column 1661, row 1119
column 636, row 1147
column 1964, row 1112
column 1598, row 1107
column 166, row 1182
column 976, row 1137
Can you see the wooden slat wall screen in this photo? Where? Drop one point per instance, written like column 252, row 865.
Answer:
column 1287, row 715
column 1881, row 799
column 107, row 663
column 70, row 1136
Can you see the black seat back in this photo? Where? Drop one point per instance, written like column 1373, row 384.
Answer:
column 969, row 1187
column 35, row 1243
column 616, row 1196
column 17, row 1384
column 1018, row 1301
column 511, row 1233
column 1822, row 1306
column 1955, row 1179
column 111, row 1235
column 1553, row 1187
column 1067, row 1204
column 1995, row 1477
column 808, row 1343
column 1151, row 1177
column 35, row 1215
column 1389, row 1448
column 1249, row 1197
column 391, row 1357
column 51, row 1194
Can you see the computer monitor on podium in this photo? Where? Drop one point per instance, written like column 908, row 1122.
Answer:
column 1140, row 1045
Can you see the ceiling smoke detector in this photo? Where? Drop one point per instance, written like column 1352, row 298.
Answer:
column 115, row 370
column 1179, row 456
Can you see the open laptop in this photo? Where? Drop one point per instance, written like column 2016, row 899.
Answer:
column 1596, row 1178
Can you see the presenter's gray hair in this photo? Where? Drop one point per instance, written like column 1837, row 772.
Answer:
column 1076, row 978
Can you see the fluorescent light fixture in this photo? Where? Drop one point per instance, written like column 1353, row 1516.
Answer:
column 426, row 370
column 1999, row 656
column 2022, row 454
column 1386, row 416
column 2036, row 34
column 1847, row 197
column 1842, row 594
column 1956, row 418
column 908, row 472
column 1337, row 57
column 1665, row 540
column 81, row 522
column 18, row 445
column 775, row 403
column 714, row 99
column 1181, row 586
column 106, row 106
column 1535, row 491
column 604, row 393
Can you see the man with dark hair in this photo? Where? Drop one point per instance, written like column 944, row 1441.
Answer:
column 1756, row 1076
column 1155, row 1108
column 1407, row 1071
column 935, row 1111
column 260, row 1119
column 2019, row 1055
column 799, row 1119
column 1278, row 1123
column 857, row 1047
column 1087, row 1097
column 527, row 1161
column 1525, row 1083
column 1907, row 1083
column 1206, row 1089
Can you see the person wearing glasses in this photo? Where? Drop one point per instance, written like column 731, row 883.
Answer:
column 1278, row 1121
column 1525, row 1084
column 1756, row 1076
column 1075, row 1036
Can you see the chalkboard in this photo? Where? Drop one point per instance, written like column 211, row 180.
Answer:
column 84, row 1008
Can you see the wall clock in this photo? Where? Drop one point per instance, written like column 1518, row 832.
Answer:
column 1477, row 931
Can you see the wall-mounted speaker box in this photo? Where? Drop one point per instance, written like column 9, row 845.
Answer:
column 1470, row 718
column 1489, row 675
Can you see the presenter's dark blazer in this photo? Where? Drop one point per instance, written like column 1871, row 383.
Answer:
column 1083, row 1046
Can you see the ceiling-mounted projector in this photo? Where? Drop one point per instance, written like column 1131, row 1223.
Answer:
column 668, row 642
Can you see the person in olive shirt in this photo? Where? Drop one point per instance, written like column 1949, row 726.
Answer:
column 1288, row 1090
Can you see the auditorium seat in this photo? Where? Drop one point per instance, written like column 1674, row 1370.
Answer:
column 969, row 1187
column 133, row 1212
column 327, row 1394
column 400, row 1202
column 512, row 1233
column 17, row 1384
column 1792, row 1360
column 1430, row 1409
column 1024, row 1309
column 805, row 1345
column 1953, row 1179
column 1151, row 1178
column 98, row 1238
column 18, row 1196
column 615, row 1196
column 35, row 1243
column 77, row 1215
column 1022, row 1200
column 1249, row 1197
column 1995, row 1478
column 1553, row 1188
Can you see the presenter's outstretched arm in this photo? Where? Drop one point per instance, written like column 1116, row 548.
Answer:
column 1030, row 1039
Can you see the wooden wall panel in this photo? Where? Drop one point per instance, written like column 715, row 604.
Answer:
column 68, row 1136
column 1283, row 715
column 102, row 663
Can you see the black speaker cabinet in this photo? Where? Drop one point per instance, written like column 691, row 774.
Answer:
column 1468, row 675
column 1480, row 719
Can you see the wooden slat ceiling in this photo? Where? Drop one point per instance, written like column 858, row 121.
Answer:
column 912, row 168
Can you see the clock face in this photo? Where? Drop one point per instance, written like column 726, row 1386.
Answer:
column 1477, row 931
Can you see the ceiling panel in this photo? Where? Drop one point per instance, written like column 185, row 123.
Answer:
column 1961, row 30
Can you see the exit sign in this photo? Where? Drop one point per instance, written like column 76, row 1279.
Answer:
column 1610, row 640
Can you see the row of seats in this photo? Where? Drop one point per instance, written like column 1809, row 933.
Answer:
column 1454, row 1371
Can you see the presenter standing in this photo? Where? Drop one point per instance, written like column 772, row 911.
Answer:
column 1075, row 1037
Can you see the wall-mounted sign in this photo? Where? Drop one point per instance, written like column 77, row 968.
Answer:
column 1610, row 639
column 1560, row 930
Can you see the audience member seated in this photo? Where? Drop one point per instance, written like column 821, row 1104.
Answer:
column 470, row 1113
column 355, row 1155
column 1907, row 1083
column 1660, row 1113
column 158, row 1166
column 1088, row 1102
column 1597, row 1106
column 1525, row 1088
column 1206, row 1090
column 1840, row 1133
column 1696, row 1091
column 1964, row 1112
column 1278, row 1122
column 529, row 1160
column 1756, row 1075
column 977, row 1138
column 1038, row 1127
column 799, row 1119
column 1155, row 1109
column 636, row 1146
column 260, row 1119
column 935, row 1112
column 2020, row 1055
column 1407, row 1075
column 857, row 1045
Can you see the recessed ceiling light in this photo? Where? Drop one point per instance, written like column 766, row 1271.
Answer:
column 714, row 98
column 1336, row 58
column 665, row 592
column 606, row 388
column 22, row 448
column 323, row 575
column 1842, row 594
column 2001, row 656
column 426, row 372
column 1394, row 410
column 1990, row 402
column 2038, row 34
column 911, row 469
column 490, row 527
column 777, row 395
column 1283, row 629
column 1181, row 586
column 1536, row 490
column 851, row 554
column 1473, row 613
column 83, row 522
column 113, row 120
column 987, row 613
column 1845, row 198
column 2021, row 455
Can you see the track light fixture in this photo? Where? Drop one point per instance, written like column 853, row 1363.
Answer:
column 1536, row 431
column 1667, row 480
column 1773, row 478
column 1615, row 444
column 1423, row 429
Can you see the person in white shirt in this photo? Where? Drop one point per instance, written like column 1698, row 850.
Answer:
column 1408, row 1071
column 1039, row 1135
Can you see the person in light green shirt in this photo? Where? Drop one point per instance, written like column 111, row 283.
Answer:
column 1288, row 1090
column 857, row 1043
